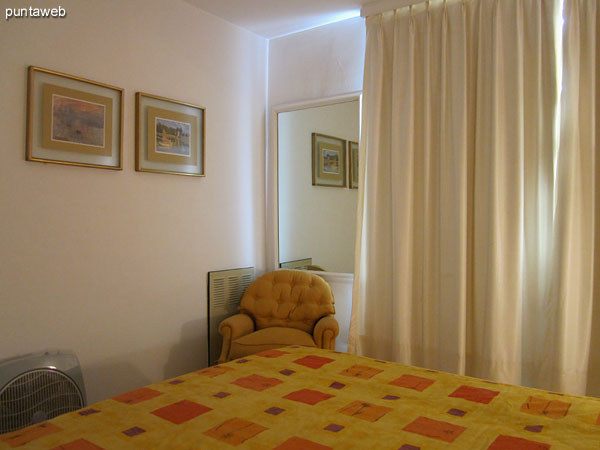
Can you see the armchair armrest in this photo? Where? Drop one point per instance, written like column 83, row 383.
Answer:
column 232, row 328
column 325, row 332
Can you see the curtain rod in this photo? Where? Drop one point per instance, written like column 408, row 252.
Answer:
column 380, row 6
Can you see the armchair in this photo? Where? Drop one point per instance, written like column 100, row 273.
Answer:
column 285, row 307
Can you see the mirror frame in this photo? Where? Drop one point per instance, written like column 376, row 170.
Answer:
column 272, row 197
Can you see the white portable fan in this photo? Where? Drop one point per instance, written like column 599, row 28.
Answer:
column 37, row 387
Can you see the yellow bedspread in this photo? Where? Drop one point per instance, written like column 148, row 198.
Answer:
column 300, row 398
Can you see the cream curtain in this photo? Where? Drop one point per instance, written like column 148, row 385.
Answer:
column 476, row 208
column 576, row 232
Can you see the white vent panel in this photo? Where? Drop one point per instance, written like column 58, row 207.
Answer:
column 218, row 293
column 298, row 264
column 225, row 291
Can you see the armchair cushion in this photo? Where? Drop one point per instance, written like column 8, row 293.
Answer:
column 268, row 339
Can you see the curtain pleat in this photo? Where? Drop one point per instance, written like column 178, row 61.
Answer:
column 572, row 288
column 475, row 223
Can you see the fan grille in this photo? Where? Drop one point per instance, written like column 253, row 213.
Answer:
column 35, row 396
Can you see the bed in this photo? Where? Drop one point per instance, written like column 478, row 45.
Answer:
column 306, row 398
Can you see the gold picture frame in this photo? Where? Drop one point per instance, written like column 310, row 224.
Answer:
column 328, row 161
column 73, row 120
column 353, row 165
column 169, row 136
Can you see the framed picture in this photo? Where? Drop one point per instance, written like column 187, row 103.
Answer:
column 169, row 136
column 328, row 161
column 353, row 164
column 73, row 121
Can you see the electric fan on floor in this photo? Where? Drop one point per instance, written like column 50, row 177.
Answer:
column 37, row 387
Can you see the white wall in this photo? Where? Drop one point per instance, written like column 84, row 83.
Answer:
column 317, row 222
column 113, row 264
column 317, row 63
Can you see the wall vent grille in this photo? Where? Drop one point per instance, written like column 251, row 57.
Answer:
column 225, row 291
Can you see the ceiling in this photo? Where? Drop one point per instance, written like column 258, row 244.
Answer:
column 274, row 18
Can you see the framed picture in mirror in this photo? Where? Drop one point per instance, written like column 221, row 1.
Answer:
column 353, row 164
column 328, row 161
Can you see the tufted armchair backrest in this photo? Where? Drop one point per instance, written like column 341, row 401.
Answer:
column 288, row 298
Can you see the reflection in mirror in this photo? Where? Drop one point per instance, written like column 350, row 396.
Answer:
column 317, row 222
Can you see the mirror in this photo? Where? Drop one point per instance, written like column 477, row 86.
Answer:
column 317, row 223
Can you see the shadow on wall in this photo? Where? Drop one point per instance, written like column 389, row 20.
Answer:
column 112, row 378
column 117, row 375
column 191, row 353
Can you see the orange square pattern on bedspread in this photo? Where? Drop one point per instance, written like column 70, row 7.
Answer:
column 235, row 431
column 313, row 399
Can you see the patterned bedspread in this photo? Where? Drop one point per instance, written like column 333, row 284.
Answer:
column 300, row 398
